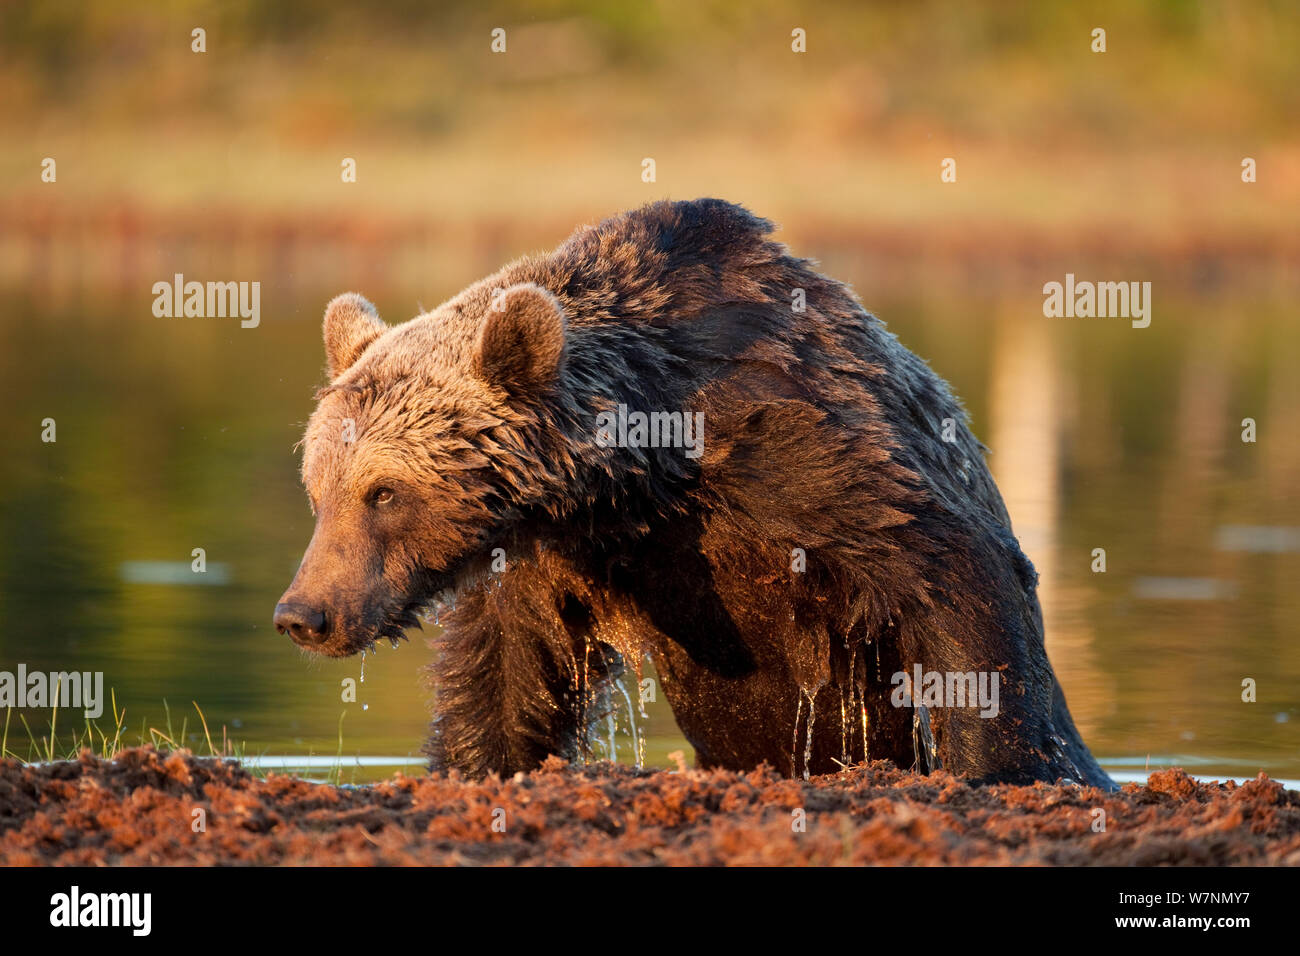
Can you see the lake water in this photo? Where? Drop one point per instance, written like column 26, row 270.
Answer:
column 177, row 434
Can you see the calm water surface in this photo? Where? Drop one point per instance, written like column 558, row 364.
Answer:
column 178, row 434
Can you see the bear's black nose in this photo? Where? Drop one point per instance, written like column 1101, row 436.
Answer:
column 306, row 625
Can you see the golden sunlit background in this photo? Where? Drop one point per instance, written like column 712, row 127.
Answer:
column 227, row 164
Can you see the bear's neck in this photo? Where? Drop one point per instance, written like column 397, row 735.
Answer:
column 632, row 440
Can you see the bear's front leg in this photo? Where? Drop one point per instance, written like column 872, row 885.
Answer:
column 516, row 676
column 982, row 694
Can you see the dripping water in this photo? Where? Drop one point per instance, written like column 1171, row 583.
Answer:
column 923, row 741
column 845, row 735
column 808, row 737
column 866, row 754
column 1056, row 747
column 638, row 743
column 640, row 697
column 844, row 729
column 794, row 744
column 584, row 702
column 364, row 706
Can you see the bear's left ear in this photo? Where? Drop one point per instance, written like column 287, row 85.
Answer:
column 522, row 343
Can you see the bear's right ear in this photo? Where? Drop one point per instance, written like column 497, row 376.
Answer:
column 351, row 324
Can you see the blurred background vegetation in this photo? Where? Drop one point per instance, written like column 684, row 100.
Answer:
column 225, row 165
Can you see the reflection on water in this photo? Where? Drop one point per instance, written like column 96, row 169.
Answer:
column 176, row 435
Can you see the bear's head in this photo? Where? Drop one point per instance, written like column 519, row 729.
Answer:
column 429, row 440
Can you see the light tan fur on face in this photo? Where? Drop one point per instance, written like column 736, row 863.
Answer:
column 429, row 410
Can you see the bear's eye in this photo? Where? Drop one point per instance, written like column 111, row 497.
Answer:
column 381, row 496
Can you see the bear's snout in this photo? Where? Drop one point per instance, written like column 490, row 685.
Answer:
column 306, row 625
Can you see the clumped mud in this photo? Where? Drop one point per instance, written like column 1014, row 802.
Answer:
column 138, row 809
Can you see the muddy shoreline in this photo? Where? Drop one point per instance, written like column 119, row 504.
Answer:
column 140, row 809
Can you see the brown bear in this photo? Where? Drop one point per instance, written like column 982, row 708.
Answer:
column 672, row 438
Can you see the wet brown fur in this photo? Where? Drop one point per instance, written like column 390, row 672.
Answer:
column 822, row 433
